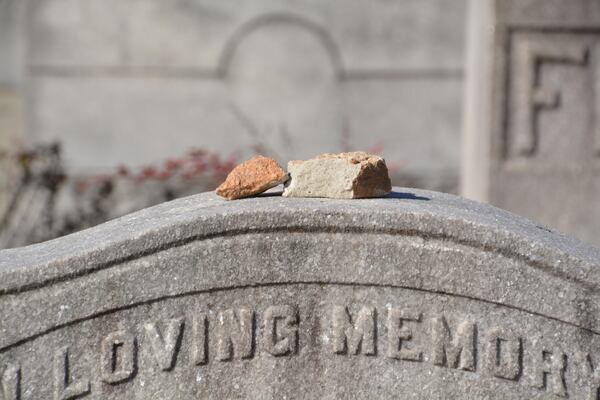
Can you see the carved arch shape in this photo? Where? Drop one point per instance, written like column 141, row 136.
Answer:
column 322, row 35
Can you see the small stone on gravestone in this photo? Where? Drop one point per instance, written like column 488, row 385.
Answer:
column 252, row 177
column 341, row 176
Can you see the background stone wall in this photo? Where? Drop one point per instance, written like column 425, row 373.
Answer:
column 132, row 82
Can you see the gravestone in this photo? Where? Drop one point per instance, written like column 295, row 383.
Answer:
column 420, row 295
column 540, row 116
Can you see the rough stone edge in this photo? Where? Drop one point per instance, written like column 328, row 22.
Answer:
column 406, row 211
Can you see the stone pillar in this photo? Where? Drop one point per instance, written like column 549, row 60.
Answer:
column 476, row 124
column 531, row 128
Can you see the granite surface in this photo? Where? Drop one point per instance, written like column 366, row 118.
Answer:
column 420, row 295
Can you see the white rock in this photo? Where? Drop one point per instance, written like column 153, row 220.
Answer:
column 340, row 176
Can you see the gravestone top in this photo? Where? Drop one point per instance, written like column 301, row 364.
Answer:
column 421, row 294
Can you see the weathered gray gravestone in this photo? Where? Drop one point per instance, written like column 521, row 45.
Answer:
column 420, row 295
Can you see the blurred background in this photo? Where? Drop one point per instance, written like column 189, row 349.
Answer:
column 109, row 106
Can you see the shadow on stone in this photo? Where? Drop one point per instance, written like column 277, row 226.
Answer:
column 406, row 196
column 275, row 192
column 393, row 195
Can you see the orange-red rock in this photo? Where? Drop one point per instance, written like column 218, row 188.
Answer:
column 252, row 177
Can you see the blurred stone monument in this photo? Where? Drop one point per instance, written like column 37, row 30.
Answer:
column 533, row 111
column 139, row 81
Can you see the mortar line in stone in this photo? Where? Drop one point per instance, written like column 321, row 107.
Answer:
column 273, row 284
column 450, row 73
column 550, row 270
